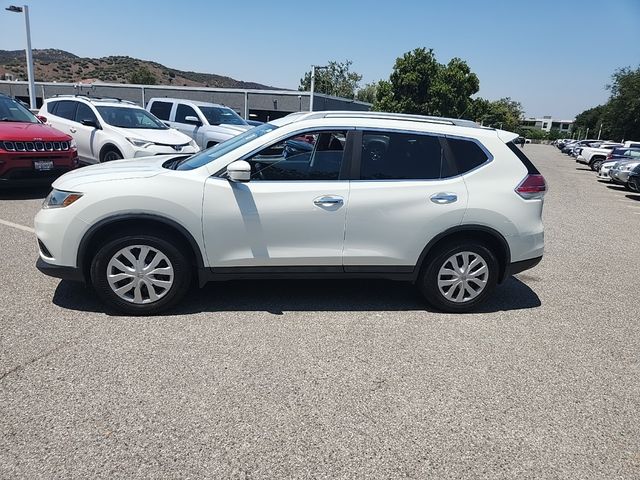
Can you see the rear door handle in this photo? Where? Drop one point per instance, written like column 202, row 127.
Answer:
column 444, row 198
column 328, row 201
column 72, row 130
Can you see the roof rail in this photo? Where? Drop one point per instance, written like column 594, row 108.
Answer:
column 89, row 97
column 394, row 116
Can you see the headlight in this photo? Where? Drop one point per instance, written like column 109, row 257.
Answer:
column 73, row 144
column 59, row 199
column 137, row 142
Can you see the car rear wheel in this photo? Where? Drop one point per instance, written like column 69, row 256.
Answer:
column 140, row 274
column 459, row 277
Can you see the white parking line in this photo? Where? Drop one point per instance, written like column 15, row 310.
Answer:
column 17, row 225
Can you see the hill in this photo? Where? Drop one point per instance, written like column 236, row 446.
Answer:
column 53, row 65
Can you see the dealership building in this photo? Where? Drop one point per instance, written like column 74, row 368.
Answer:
column 261, row 105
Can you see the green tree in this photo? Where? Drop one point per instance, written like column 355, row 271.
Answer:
column 419, row 84
column 590, row 119
column 504, row 113
column 621, row 116
column 337, row 79
column 142, row 76
column 367, row 93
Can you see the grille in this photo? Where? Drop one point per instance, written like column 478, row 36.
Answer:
column 15, row 146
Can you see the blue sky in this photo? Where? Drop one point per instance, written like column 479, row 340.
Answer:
column 555, row 57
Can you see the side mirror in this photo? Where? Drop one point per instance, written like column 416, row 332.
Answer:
column 41, row 118
column 90, row 123
column 192, row 119
column 239, row 171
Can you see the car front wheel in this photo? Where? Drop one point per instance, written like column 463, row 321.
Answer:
column 459, row 277
column 140, row 274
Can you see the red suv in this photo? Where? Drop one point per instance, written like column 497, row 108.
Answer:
column 30, row 151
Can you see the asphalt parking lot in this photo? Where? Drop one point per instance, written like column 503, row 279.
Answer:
column 352, row 379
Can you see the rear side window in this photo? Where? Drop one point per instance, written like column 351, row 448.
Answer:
column 66, row 109
column 162, row 110
column 531, row 168
column 184, row 111
column 467, row 155
column 52, row 107
column 400, row 156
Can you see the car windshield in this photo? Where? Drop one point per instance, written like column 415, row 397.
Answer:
column 12, row 111
column 220, row 115
column 128, row 117
column 213, row 153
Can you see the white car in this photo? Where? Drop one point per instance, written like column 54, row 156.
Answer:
column 207, row 123
column 451, row 206
column 111, row 129
column 603, row 173
column 596, row 156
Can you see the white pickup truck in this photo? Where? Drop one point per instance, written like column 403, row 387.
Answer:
column 594, row 157
column 207, row 123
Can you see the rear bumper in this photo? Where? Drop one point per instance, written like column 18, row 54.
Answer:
column 65, row 273
column 518, row 267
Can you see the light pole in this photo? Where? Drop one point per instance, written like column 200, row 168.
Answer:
column 313, row 83
column 32, row 86
column 600, row 131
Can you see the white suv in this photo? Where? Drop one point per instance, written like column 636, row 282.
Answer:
column 207, row 123
column 111, row 129
column 446, row 204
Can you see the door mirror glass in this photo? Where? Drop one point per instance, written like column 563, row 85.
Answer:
column 193, row 120
column 88, row 122
column 239, row 171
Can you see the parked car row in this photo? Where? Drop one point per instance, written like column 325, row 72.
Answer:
column 615, row 162
column 70, row 130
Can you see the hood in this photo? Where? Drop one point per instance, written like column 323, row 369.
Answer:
column 170, row 136
column 28, row 132
column 118, row 170
column 227, row 129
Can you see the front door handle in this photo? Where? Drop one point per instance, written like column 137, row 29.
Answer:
column 328, row 201
column 72, row 130
column 443, row 198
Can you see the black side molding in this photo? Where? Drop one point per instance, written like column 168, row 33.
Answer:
column 65, row 273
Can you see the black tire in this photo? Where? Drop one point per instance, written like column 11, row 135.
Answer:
column 110, row 154
column 179, row 261
column 596, row 164
column 428, row 280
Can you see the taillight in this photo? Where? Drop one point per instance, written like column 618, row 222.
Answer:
column 609, row 156
column 533, row 186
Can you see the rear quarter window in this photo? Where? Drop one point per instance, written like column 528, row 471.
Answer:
column 467, row 155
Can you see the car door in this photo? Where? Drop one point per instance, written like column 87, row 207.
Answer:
column 63, row 116
column 401, row 199
column 86, row 133
column 187, row 127
column 291, row 213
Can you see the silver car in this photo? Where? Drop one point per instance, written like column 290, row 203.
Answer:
column 620, row 172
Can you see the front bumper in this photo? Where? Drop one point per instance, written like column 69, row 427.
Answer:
column 163, row 150
column 65, row 273
column 581, row 159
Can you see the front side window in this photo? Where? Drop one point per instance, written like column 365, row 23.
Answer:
column 84, row 113
column 183, row 111
column 162, row 110
column 66, row 109
column 221, row 116
column 127, row 117
column 311, row 156
column 12, row 111
column 400, row 156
